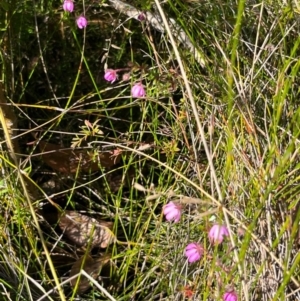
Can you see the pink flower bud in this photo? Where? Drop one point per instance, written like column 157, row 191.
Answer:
column 110, row 75
column 142, row 17
column 230, row 296
column 68, row 6
column 172, row 212
column 138, row 90
column 216, row 233
column 126, row 77
column 81, row 22
column 194, row 252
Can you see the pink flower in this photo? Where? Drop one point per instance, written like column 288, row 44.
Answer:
column 230, row 296
column 216, row 233
column 138, row 90
column 172, row 212
column 110, row 75
column 68, row 6
column 193, row 252
column 81, row 22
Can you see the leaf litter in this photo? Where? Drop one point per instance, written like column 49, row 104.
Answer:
column 86, row 231
column 91, row 266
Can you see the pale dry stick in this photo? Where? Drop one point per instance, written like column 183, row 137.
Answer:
column 101, row 288
column 269, row 220
column 293, row 293
column 42, row 290
column 190, row 95
column 153, row 20
column 211, row 129
column 56, row 287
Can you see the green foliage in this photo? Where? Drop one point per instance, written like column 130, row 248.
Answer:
column 131, row 156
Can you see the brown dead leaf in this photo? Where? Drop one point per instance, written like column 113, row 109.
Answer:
column 91, row 266
column 69, row 160
column 83, row 230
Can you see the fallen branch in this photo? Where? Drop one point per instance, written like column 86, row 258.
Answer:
column 156, row 23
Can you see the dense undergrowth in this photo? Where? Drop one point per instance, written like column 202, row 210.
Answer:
column 217, row 133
